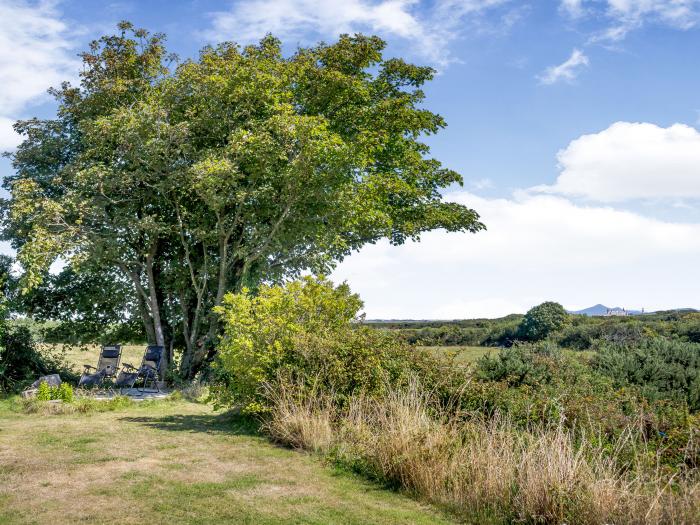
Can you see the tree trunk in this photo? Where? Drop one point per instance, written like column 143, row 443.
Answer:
column 155, row 308
column 146, row 319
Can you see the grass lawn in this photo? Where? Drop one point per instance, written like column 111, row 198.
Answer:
column 171, row 463
column 462, row 354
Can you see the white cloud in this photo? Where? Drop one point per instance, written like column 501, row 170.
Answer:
column 482, row 184
column 429, row 29
column 627, row 15
column 9, row 140
column 566, row 71
column 35, row 53
column 536, row 248
column 573, row 8
column 631, row 161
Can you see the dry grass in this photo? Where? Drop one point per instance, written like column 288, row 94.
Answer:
column 485, row 471
column 77, row 356
column 302, row 423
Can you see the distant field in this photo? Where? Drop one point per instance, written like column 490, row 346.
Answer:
column 462, row 354
column 77, row 357
column 87, row 355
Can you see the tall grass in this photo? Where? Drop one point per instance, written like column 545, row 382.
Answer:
column 484, row 470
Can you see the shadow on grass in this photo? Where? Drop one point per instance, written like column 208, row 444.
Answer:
column 227, row 423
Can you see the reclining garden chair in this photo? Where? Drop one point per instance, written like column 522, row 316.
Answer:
column 147, row 372
column 107, row 366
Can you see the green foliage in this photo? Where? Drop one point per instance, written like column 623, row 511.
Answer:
column 518, row 365
column 662, row 368
column 46, row 392
column 542, row 321
column 21, row 362
column 65, row 392
column 77, row 307
column 581, row 333
column 536, row 385
column 172, row 188
column 43, row 393
column 304, row 333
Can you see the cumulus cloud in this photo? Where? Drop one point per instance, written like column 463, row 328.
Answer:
column 430, row 28
column 566, row 71
column 629, row 161
column 536, row 248
column 35, row 53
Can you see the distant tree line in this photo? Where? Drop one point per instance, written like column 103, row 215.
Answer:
column 580, row 332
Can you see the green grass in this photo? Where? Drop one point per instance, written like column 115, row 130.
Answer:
column 461, row 354
column 175, row 463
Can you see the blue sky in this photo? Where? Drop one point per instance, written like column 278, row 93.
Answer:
column 572, row 122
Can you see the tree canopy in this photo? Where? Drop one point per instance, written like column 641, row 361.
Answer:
column 179, row 181
column 542, row 320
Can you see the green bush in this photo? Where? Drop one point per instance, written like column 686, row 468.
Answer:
column 43, row 393
column 661, row 368
column 304, row 333
column 63, row 392
column 537, row 386
column 21, row 363
column 518, row 365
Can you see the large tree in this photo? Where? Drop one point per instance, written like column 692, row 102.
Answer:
column 240, row 167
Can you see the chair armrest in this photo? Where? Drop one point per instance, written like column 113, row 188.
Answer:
column 128, row 365
column 88, row 367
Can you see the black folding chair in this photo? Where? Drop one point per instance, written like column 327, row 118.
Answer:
column 107, row 366
column 147, row 373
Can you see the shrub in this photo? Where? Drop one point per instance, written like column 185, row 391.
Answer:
column 304, row 332
column 63, row 392
column 543, row 320
column 518, row 365
column 661, row 368
column 43, row 393
column 22, row 363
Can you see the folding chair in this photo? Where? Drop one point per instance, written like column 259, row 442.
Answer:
column 107, row 366
column 147, row 372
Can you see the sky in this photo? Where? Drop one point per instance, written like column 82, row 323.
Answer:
column 574, row 124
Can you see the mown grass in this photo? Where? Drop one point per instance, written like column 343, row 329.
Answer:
column 174, row 463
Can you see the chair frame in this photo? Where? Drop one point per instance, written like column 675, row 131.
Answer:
column 106, row 366
column 147, row 372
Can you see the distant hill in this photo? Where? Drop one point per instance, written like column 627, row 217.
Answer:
column 601, row 309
